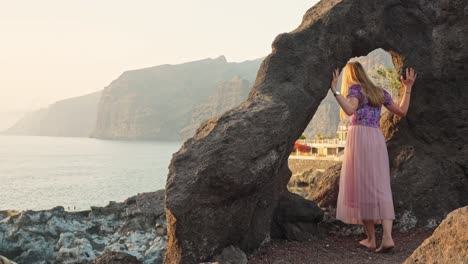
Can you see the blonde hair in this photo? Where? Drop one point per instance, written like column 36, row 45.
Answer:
column 353, row 73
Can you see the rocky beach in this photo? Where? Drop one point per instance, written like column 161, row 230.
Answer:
column 136, row 227
column 135, row 232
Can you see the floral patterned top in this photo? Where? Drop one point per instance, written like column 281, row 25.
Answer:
column 366, row 114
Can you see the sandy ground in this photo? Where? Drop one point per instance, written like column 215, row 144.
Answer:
column 338, row 249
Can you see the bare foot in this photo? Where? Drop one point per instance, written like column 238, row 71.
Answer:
column 370, row 244
column 387, row 245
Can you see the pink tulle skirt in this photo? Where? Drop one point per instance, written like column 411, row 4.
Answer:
column 364, row 188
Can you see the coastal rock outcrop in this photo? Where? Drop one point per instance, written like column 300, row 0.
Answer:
column 307, row 173
column 448, row 243
column 136, row 227
column 224, row 183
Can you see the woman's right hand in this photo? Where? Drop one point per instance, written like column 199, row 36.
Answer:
column 334, row 81
column 410, row 78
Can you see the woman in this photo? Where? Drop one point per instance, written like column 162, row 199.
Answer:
column 364, row 195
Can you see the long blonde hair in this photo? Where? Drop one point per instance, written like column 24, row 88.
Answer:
column 353, row 73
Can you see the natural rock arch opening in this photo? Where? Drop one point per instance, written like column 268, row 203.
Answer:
column 225, row 182
column 322, row 143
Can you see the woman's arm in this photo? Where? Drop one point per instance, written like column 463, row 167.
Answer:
column 402, row 108
column 349, row 105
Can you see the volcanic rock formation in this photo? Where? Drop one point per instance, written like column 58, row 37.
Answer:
column 225, row 182
column 448, row 244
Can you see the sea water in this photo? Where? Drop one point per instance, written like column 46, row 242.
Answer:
column 76, row 173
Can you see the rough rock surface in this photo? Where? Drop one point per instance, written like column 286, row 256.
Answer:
column 230, row 255
column 448, row 243
column 136, row 226
column 324, row 187
column 224, row 183
column 296, row 218
column 115, row 258
column 304, row 167
column 304, row 179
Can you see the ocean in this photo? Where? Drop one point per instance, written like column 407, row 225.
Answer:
column 43, row 172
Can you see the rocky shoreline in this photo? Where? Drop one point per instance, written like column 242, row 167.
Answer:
column 135, row 231
column 136, row 226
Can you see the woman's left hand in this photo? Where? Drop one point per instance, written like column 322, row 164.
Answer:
column 410, row 78
column 334, row 81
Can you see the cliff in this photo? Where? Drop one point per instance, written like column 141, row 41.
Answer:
column 326, row 119
column 376, row 57
column 29, row 124
column 158, row 102
column 227, row 95
column 73, row 117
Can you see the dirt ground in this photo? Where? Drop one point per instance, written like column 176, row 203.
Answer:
column 338, row 249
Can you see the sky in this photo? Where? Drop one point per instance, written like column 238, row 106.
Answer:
column 55, row 49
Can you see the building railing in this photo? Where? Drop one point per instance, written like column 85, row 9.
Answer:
column 335, row 141
column 315, row 156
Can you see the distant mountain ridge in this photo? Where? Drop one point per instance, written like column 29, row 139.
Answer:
column 73, row 117
column 157, row 102
column 166, row 102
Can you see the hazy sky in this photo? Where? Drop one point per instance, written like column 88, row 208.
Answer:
column 55, row 49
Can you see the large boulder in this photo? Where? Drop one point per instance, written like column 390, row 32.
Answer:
column 230, row 255
column 224, row 183
column 324, row 187
column 296, row 218
column 448, row 243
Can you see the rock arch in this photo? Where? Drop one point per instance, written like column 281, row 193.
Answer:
column 224, row 182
